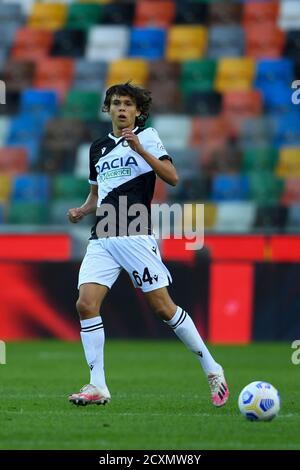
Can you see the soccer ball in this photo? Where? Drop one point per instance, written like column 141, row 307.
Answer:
column 259, row 401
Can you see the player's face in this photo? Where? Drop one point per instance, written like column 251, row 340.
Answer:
column 123, row 111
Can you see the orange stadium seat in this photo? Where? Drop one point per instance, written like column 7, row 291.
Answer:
column 212, row 129
column 291, row 193
column 289, row 162
column 256, row 13
column 241, row 104
column 158, row 14
column 264, row 42
column 31, row 44
column 13, row 160
column 48, row 16
column 54, row 74
column 235, row 74
column 122, row 70
column 186, row 42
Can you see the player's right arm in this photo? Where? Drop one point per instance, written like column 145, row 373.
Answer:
column 76, row 214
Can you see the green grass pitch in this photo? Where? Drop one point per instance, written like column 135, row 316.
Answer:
column 160, row 398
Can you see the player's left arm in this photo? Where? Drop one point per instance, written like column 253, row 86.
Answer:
column 163, row 168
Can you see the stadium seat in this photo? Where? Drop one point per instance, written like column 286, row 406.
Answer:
column 287, row 131
column 289, row 16
column 229, row 188
column 265, row 188
column 228, row 12
column 54, row 74
column 11, row 13
column 259, row 159
column 291, row 193
column 173, row 130
column 161, row 70
column 28, row 213
column 235, row 74
column 186, row 160
column 40, row 103
column 292, row 45
column 7, row 33
column 4, row 126
column 238, row 105
column 84, row 105
column 2, row 213
column 26, row 5
column 61, row 140
column 50, row 16
column 203, row 103
column 197, row 75
column 190, row 12
column 154, row 14
column 225, row 41
column 96, row 129
column 81, row 169
column 208, row 129
column 12, row 102
column 256, row 132
column 69, row 187
column 31, row 44
column 293, row 218
column 289, row 162
column 89, row 76
column 83, row 16
column 5, row 186
column 269, row 71
column 277, row 98
column 237, row 217
column 257, row 12
column 13, row 160
column 147, row 43
column 271, row 217
column 69, row 43
column 25, row 131
column 118, row 13
column 107, row 43
column 219, row 158
column 18, row 74
column 30, row 188
column 122, row 70
column 186, row 42
column 166, row 97
column 191, row 187
column 264, row 42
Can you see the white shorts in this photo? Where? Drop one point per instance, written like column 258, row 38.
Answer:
column 138, row 255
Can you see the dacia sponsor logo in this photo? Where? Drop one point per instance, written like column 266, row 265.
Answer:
column 114, row 174
column 116, row 163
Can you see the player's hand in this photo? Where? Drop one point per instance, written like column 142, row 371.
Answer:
column 75, row 215
column 133, row 140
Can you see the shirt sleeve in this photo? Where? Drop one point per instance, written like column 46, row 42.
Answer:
column 155, row 146
column 93, row 172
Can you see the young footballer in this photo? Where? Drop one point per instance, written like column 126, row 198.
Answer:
column 123, row 168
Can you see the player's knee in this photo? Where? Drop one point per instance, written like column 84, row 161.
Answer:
column 86, row 307
column 163, row 311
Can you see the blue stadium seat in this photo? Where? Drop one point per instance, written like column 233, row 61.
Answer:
column 273, row 70
column 26, row 131
column 41, row 103
column 277, row 98
column 148, row 43
column 287, row 132
column 30, row 188
column 230, row 188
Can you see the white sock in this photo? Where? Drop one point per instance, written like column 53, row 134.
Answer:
column 92, row 337
column 185, row 329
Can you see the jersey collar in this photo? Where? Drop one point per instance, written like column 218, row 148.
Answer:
column 117, row 139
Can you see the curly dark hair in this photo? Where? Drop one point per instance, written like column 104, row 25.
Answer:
column 141, row 97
